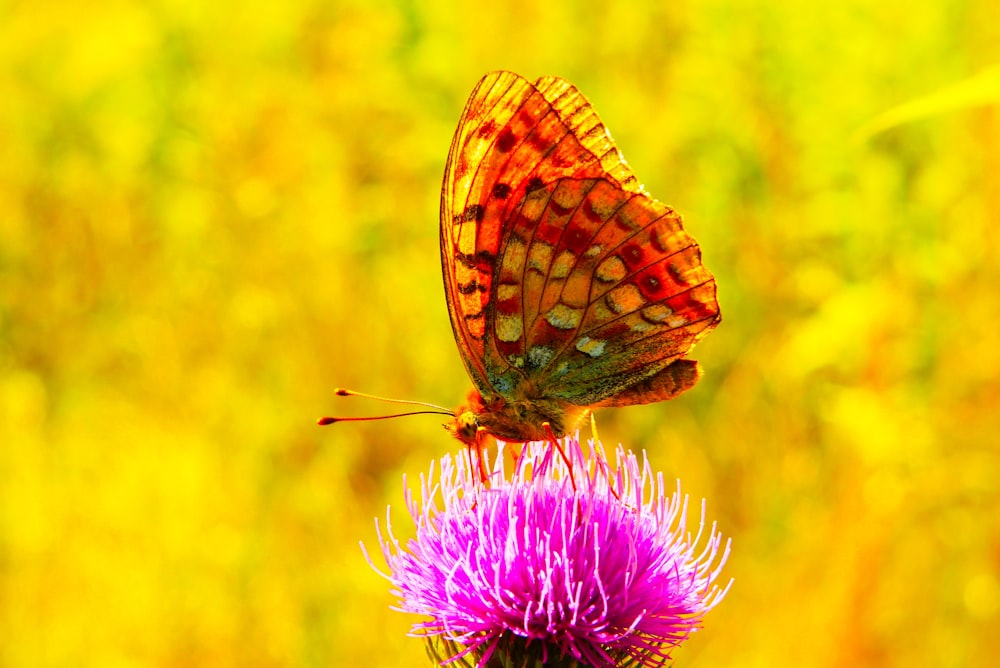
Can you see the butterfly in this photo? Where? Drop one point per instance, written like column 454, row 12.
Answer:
column 569, row 288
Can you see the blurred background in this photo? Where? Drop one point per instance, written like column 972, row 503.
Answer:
column 213, row 214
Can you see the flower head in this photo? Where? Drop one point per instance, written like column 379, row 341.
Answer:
column 564, row 563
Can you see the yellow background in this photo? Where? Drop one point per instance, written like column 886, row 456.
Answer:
column 212, row 214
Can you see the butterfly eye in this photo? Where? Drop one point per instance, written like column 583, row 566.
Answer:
column 466, row 426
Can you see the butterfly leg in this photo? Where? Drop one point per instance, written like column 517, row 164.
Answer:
column 517, row 457
column 553, row 440
column 476, row 464
column 480, row 447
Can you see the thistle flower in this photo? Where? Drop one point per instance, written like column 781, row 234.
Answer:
column 564, row 564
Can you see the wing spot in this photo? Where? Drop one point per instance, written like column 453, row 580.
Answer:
column 540, row 257
column 590, row 212
column 561, row 316
column 534, row 183
column 482, row 260
column 558, row 208
column 660, row 237
column 602, row 203
column 589, row 346
column 475, row 323
column 576, row 239
column 509, row 328
column 538, row 140
column 611, row 270
column 507, row 291
column 487, row 129
column 506, row 140
column 677, row 320
column 650, row 285
column 656, row 313
column 633, row 255
column 501, row 191
column 471, row 287
column 563, row 264
column 474, row 212
column 640, row 325
column 513, row 258
column 539, row 356
column 624, row 299
column 676, row 273
column 624, row 220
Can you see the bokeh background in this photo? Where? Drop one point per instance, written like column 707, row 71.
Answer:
column 212, row 214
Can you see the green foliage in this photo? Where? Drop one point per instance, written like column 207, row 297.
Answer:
column 211, row 214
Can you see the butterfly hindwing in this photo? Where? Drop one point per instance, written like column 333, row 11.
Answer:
column 612, row 291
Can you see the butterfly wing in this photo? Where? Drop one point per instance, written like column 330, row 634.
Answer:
column 614, row 296
column 513, row 138
column 564, row 280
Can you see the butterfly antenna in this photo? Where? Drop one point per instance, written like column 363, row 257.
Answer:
column 341, row 392
column 323, row 421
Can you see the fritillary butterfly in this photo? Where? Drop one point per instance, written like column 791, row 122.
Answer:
column 569, row 288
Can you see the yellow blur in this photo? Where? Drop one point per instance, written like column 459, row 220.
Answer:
column 212, row 214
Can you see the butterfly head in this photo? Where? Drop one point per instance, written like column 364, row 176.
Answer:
column 465, row 427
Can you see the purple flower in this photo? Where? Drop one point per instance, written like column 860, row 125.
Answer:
column 569, row 569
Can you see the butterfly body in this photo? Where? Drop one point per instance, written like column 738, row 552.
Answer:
column 568, row 286
column 514, row 420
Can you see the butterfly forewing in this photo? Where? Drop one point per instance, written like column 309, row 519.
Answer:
column 511, row 140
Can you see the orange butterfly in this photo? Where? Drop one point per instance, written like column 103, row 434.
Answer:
column 569, row 288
